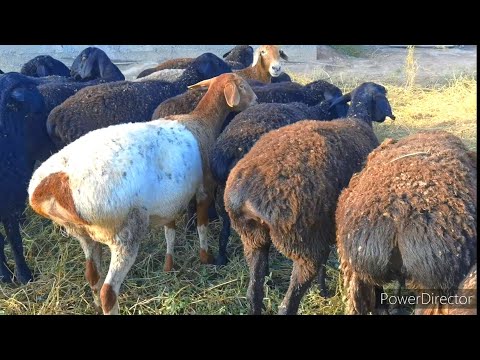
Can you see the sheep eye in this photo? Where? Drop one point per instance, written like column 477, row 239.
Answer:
column 263, row 52
column 84, row 58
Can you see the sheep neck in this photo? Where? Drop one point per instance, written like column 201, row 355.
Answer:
column 359, row 110
column 257, row 72
column 205, row 122
column 10, row 124
column 211, row 111
column 260, row 73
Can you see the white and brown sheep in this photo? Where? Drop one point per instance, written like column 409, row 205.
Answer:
column 107, row 186
column 266, row 64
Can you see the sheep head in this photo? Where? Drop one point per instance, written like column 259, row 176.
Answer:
column 268, row 57
column 238, row 93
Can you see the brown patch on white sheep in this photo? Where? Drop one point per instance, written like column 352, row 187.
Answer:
column 168, row 263
column 91, row 273
column 202, row 211
column 205, row 257
column 53, row 199
column 108, row 298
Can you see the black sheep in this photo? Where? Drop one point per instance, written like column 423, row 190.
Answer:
column 239, row 57
column 44, row 65
column 92, row 63
column 120, row 102
column 22, row 133
column 283, row 77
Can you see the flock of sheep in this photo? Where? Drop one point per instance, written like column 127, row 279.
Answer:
column 295, row 166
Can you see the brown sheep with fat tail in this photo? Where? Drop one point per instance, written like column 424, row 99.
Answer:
column 411, row 215
column 285, row 189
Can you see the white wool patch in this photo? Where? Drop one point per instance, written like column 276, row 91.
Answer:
column 169, row 75
column 170, row 238
column 155, row 165
column 203, row 235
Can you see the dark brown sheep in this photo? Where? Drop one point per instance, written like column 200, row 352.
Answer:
column 284, row 191
column 409, row 215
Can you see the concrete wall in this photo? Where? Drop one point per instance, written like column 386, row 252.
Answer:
column 12, row 57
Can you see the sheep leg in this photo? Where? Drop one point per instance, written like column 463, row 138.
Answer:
column 5, row 274
column 361, row 296
column 398, row 309
column 93, row 268
column 124, row 249
column 322, row 275
column 191, row 220
column 222, row 257
column 121, row 261
column 22, row 272
column 170, row 237
column 380, row 307
column 258, row 264
column 303, row 273
column 202, row 227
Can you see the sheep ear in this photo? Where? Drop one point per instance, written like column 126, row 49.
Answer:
column 382, row 109
column 204, row 83
column 42, row 71
column 231, row 94
column 342, row 99
column 283, row 55
column 18, row 94
column 226, row 54
column 256, row 57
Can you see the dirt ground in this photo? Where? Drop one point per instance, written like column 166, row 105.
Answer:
column 386, row 64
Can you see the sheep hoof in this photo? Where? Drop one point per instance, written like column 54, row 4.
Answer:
column 399, row 311
column 168, row 263
column 282, row 310
column 381, row 311
column 205, row 257
column 221, row 260
column 325, row 293
column 24, row 275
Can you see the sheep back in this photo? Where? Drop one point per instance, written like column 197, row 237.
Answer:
column 291, row 178
column 412, row 212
